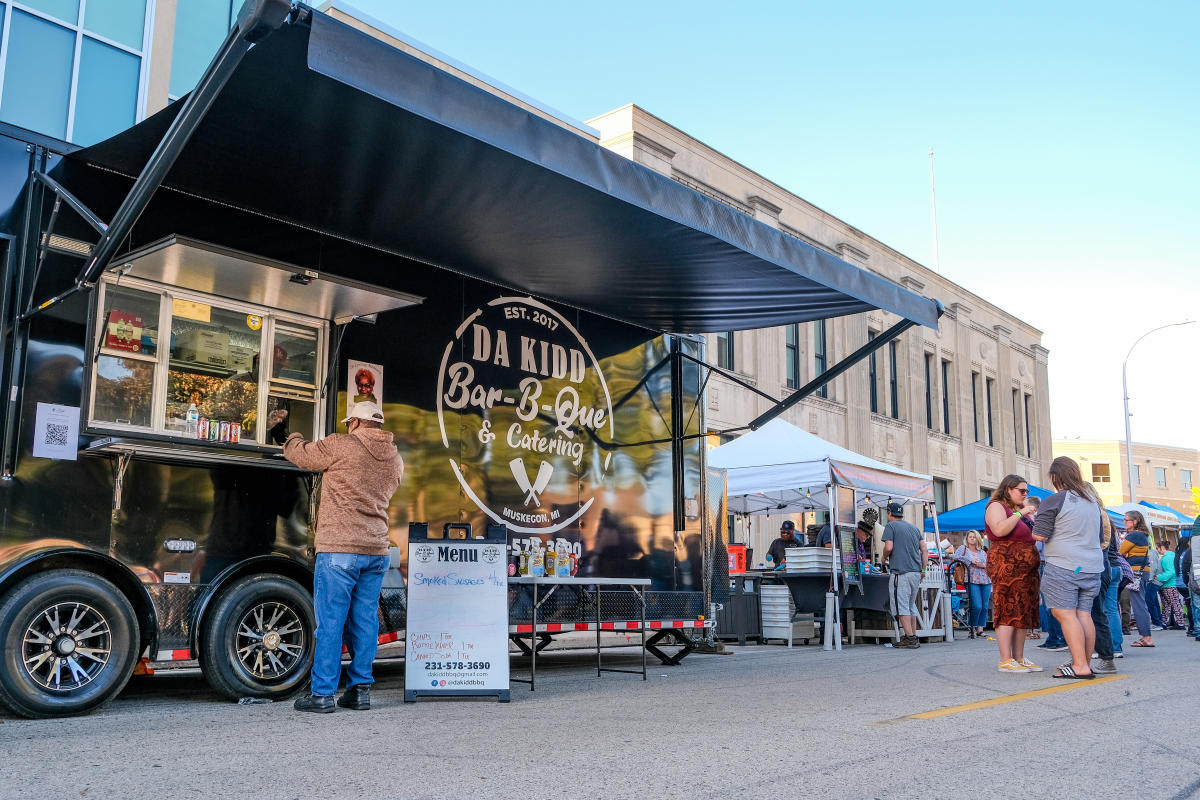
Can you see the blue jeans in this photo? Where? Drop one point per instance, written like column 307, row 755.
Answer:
column 346, row 594
column 1196, row 613
column 1112, row 609
column 1152, row 605
column 980, row 595
column 1054, row 634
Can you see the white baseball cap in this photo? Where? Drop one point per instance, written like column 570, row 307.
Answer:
column 365, row 410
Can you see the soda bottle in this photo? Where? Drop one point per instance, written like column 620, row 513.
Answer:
column 551, row 558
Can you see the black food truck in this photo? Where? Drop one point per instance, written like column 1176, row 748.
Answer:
column 326, row 220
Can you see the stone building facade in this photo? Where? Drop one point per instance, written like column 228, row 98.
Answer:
column 1161, row 474
column 967, row 403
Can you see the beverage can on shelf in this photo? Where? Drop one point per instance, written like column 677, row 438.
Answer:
column 223, row 436
column 202, row 428
column 235, row 432
column 214, row 430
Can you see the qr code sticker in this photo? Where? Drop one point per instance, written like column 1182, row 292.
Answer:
column 56, row 435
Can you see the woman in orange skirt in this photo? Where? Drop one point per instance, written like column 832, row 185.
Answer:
column 1013, row 567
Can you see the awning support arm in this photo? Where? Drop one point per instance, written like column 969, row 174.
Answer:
column 256, row 19
column 837, row 369
column 728, row 376
column 71, row 200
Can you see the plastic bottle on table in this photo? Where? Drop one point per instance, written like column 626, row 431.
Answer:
column 537, row 561
column 192, row 421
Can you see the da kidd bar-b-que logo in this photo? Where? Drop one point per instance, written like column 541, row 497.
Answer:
column 527, row 387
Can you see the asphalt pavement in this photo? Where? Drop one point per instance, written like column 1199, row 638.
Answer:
column 765, row 721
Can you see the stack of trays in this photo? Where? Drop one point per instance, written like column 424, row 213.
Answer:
column 808, row 560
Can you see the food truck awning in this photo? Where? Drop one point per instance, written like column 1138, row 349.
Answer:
column 324, row 127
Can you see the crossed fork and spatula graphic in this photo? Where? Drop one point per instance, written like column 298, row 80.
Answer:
column 545, row 470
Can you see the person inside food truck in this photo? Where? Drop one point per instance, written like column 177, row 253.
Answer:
column 278, row 408
column 825, row 537
column 862, row 539
column 787, row 538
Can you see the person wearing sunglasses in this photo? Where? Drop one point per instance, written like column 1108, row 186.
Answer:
column 1013, row 568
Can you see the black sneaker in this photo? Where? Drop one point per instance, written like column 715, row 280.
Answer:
column 357, row 698
column 317, row 703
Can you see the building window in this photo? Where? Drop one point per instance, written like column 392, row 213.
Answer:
column 991, row 385
column 894, row 377
column 725, row 350
column 1028, row 426
column 975, row 403
column 1185, row 477
column 873, row 375
column 820, row 358
column 941, row 495
column 1160, row 477
column 1137, row 475
column 1101, row 474
column 200, row 28
column 791, row 349
column 929, row 391
column 946, row 397
column 985, row 493
column 207, row 380
column 73, row 70
column 1016, row 404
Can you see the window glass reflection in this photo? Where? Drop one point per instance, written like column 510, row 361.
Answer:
column 106, row 97
column 124, row 387
column 214, row 367
column 37, row 74
column 120, row 20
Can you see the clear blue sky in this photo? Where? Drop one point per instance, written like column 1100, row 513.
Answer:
column 1065, row 136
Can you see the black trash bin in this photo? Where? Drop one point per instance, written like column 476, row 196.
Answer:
column 741, row 618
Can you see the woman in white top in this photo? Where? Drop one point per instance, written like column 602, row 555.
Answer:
column 979, row 585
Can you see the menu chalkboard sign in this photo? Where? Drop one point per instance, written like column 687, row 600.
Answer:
column 848, row 554
column 457, row 632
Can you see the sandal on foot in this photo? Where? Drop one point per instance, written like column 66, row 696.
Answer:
column 1066, row 671
column 1033, row 635
column 1142, row 644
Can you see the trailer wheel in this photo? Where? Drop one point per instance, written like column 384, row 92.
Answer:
column 70, row 643
column 259, row 639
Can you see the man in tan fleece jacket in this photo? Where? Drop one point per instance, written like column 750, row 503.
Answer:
column 362, row 471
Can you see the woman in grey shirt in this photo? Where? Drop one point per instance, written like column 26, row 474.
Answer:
column 1069, row 523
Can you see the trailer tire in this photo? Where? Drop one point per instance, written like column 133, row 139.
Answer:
column 77, row 619
column 259, row 638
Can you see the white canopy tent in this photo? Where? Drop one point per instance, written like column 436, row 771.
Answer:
column 781, row 469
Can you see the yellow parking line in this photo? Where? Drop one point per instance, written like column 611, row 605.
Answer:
column 1012, row 698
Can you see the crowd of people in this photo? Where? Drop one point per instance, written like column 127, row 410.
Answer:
column 1062, row 568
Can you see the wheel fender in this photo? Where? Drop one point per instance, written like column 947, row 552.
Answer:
column 101, row 564
column 259, row 565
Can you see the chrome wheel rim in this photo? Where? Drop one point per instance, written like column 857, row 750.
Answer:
column 270, row 641
column 66, row 647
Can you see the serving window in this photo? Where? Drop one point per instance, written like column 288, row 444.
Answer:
column 197, row 367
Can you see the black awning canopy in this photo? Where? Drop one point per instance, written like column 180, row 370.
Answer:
column 323, row 127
